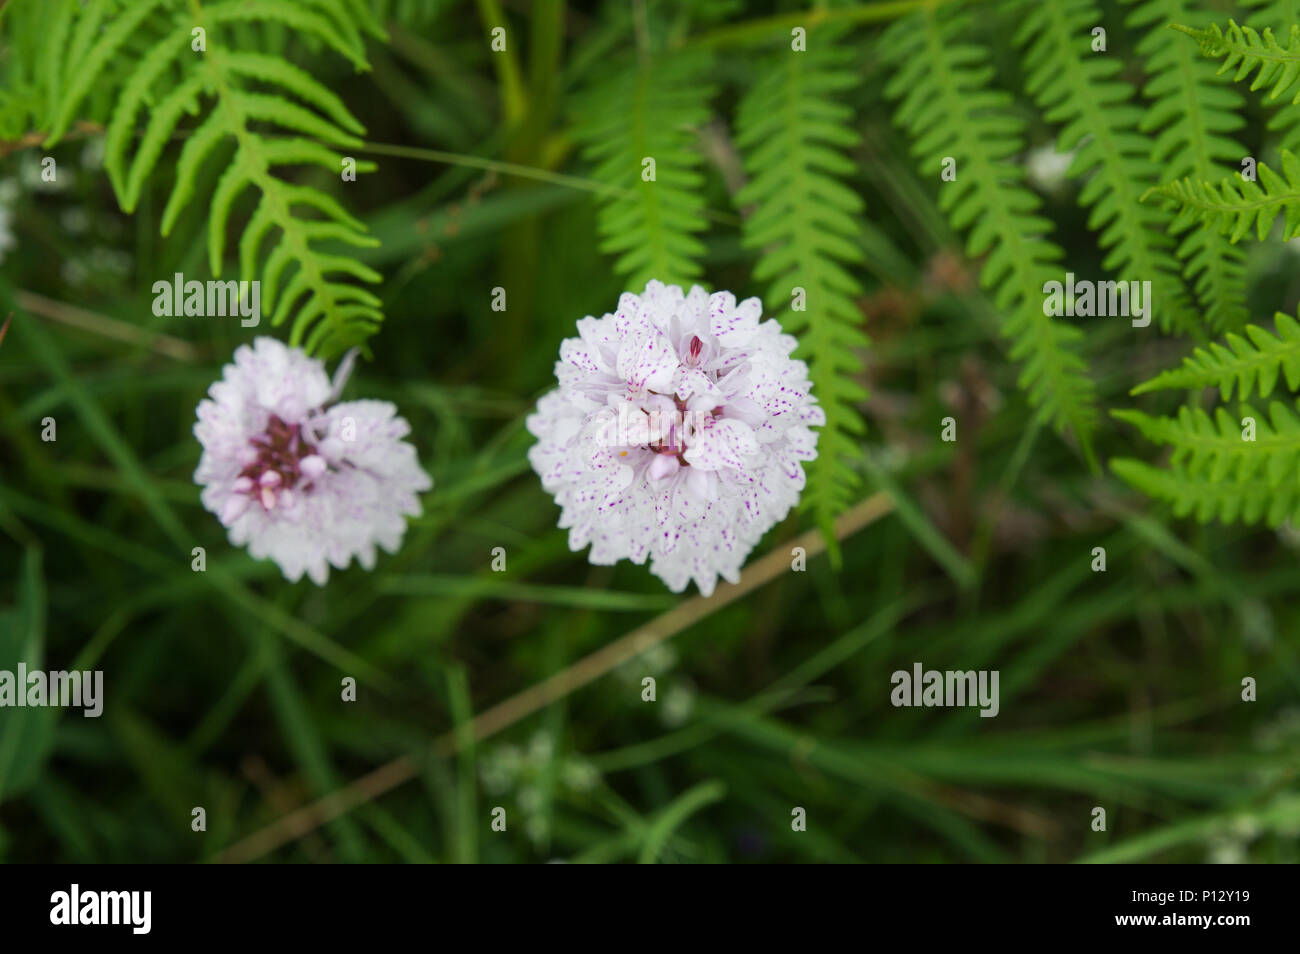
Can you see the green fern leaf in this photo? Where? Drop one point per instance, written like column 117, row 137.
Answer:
column 1251, row 366
column 85, row 63
column 1192, row 115
column 1280, row 16
column 1248, row 502
column 62, row 14
column 1213, row 447
column 351, row 18
column 248, row 96
column 792, row 133
column 1237, row 205
column 949, row 108
column 1239, row 466
column 1077, row 87
column 34, row 37
column 649, row 111
column 1250, row 52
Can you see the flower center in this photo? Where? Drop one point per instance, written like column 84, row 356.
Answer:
column 671, row 439
column 673, row 429
column 695, row 348
column 283, row 459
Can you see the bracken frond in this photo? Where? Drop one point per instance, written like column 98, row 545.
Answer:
column 1083, row 91
column 1198, row 496
column 644, row 112
column 1193, row 114
column 1280, row 16
column 793, row 134
column 274, row 113
column 1237, row 205
column 1227, row 466
column 950, row 108
column 1250, row 364
column 1214, row 446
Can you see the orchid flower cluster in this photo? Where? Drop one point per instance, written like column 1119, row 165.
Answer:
column 677, row 434
column 297, row 476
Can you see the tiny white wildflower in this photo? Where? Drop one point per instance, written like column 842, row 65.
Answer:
column 678, row 433
column 1047, row 168
column 295, row 476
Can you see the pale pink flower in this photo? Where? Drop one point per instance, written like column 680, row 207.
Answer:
column 677, row 433
column 295, row 476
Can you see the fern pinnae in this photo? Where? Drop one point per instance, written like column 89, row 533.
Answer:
column 368, row 19
column 33, row 38
column 1273, row 64
column 1196, row 495
column 1250, row 364
column 1237, row 205
column 61, row 18
column 1212, row 446
column 88, row 27
column 200, row 144
column 1219, row 456
column 290, row 14
column 163, row 119
column 329, row 313
column 1280, row 16
column 275, row 71
column 1250, row 52
column 949, row 109
column 1081, row 89
column 134, row 97
column 83, row 72
column 345, row 19
column 1191, row 115
column 648, row 110
column 792, row 133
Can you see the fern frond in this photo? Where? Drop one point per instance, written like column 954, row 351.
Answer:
column 15, row 109
column 1196, row 495
column 648, row 111
column 1193, row 115
column 1082, row 90
column 1280, row 16
column 1273, row 63
column 275, row 114
column 1236, row 205
column 1215, row 472
column 352, row 18
column 949, row 108
column 1213, row 447
column 1251, row 366
column 792, row 133
column 34, row 39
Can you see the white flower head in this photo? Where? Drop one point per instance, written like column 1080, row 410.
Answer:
column 295, row 476
column 677, row 433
